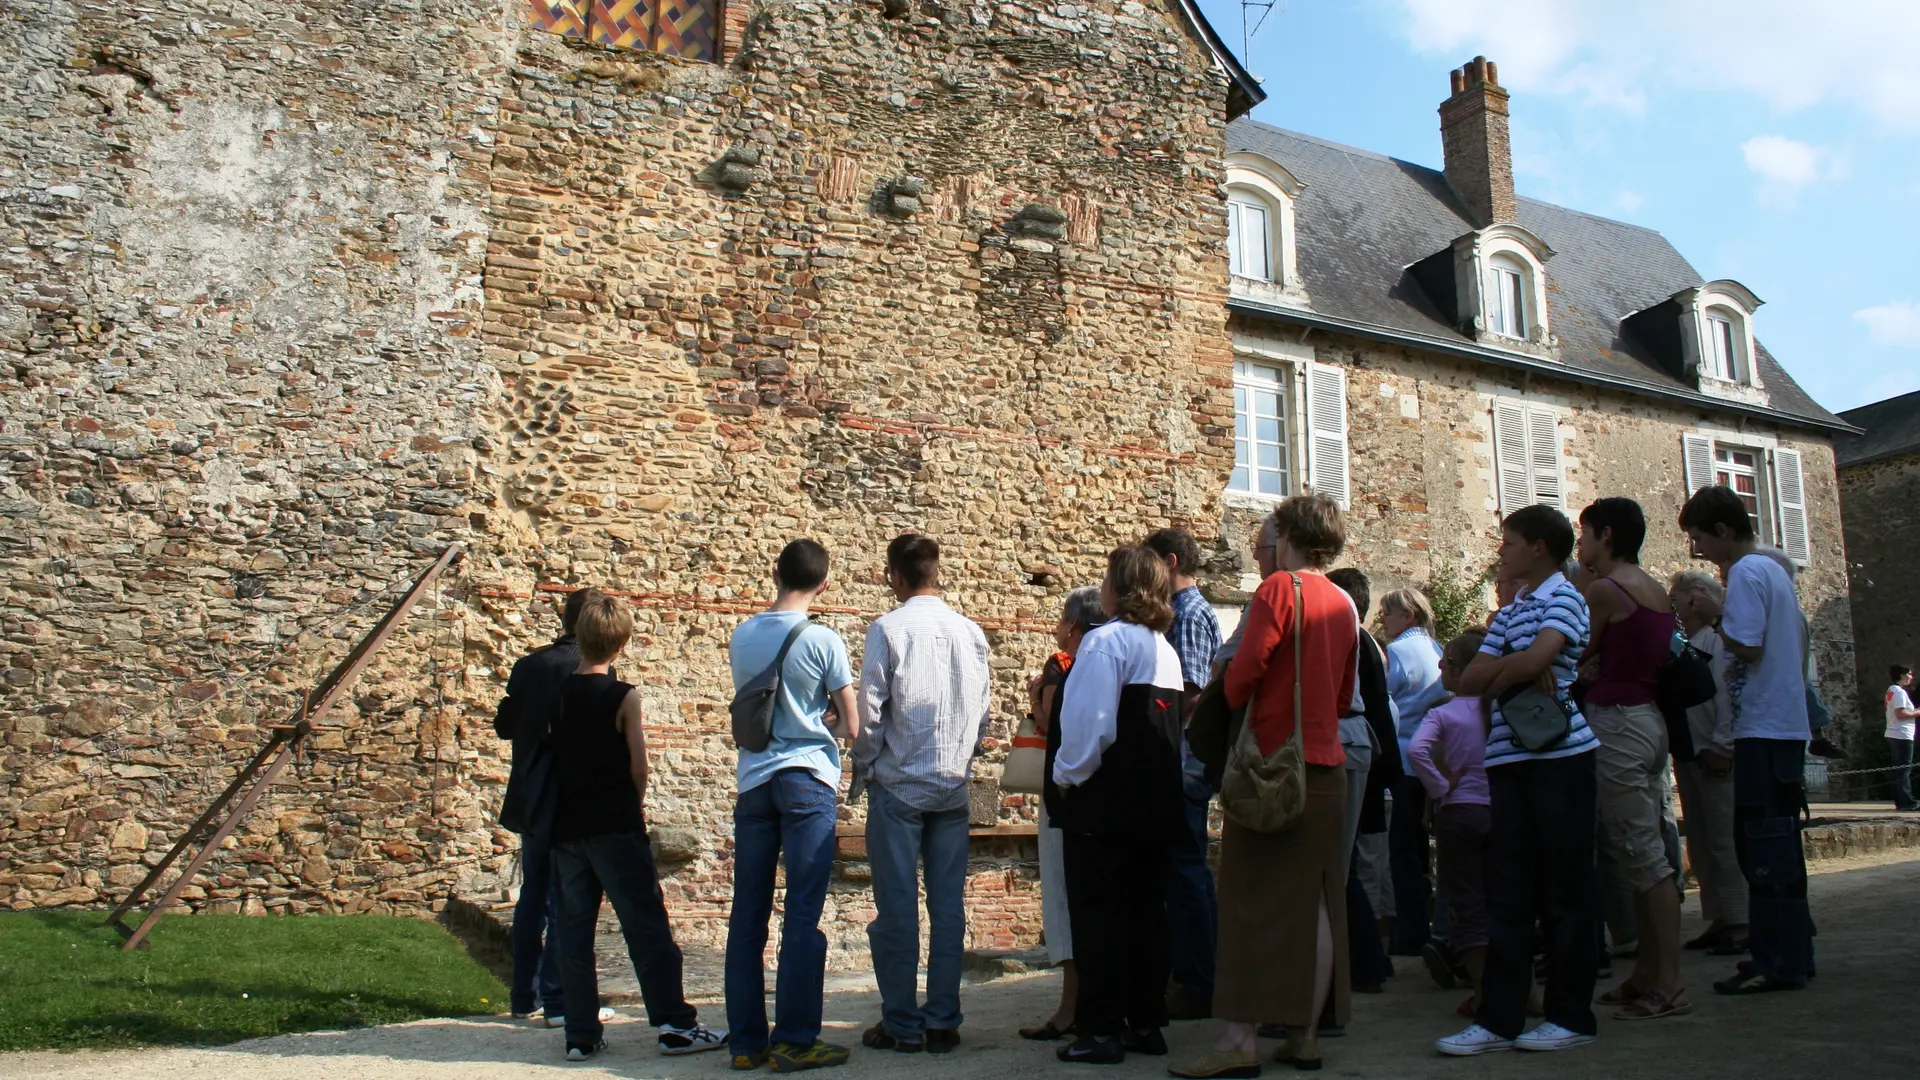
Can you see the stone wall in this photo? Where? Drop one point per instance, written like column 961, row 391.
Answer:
column 1421, row 434
column 1879, row 500
column 293, row 295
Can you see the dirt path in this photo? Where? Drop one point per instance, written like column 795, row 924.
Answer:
column 1855, row 1022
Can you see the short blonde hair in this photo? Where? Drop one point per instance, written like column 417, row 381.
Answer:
column 1687, row 581
column 603, row 628
column 1409, row 602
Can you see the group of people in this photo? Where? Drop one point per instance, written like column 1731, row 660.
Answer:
column 1534, row 752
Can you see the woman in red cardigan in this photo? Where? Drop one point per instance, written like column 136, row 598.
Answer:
column 1278, row 891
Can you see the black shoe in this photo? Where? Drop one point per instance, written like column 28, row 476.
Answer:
column 1147, row 1041
column 583, row 1051
column 942, row 1040
column 878, row 1037
column 1094, row 1050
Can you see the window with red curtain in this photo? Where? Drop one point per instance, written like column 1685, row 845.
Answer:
column 686, row 28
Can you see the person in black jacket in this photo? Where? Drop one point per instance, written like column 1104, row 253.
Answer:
column 1373, row 751
column 524, row 716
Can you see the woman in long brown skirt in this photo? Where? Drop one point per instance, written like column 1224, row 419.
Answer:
column 1283, row 937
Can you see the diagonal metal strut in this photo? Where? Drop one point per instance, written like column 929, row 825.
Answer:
column 225, row 815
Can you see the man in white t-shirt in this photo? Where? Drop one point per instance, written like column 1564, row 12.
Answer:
column 1763, row 632
column 1900, row 715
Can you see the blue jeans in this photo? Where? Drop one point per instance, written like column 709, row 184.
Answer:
column 620, row 865
column 1193, row 911
column 900, row 840
column 1900, row 754
column 532, row 923
column 793, row 812
column 1767, row 796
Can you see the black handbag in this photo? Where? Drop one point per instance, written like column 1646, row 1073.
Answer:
column 1539, row 720
column 1682, row 683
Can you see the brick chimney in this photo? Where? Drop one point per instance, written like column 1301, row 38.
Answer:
column 1473, row 127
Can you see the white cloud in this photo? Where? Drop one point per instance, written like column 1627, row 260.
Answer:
column 1783, row 161
column 1612, row 52
column 1629, row 200
column 1896, row 323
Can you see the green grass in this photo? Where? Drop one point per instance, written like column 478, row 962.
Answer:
column 208, row 979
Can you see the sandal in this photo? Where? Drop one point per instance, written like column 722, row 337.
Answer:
column 1624, row 994
column 1656, row 1006
column 1751, row 982
column 1047, row 1032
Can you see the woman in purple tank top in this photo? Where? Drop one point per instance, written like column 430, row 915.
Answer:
column 1633, row 627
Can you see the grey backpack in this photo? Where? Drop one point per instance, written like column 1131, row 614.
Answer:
column 754, row 703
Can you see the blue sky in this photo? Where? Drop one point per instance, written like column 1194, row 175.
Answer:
column 1775, row 142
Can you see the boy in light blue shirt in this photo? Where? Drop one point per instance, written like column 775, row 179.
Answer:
column 787, row 801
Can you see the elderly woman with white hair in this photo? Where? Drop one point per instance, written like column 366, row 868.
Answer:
column 1080, row 614
column 1706, row 778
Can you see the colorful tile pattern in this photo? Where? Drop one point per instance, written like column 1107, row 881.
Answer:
column 686, row 28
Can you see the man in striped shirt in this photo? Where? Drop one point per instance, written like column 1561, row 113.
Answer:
column 1544, row 802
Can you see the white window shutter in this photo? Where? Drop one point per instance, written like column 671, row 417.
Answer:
column 1698, row 450
column 1327, row 467
column 1513, row 471
column 1543, row 446
column 1791, row 495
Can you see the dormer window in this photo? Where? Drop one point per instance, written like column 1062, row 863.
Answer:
column 1716, row 338
column 1249, row 235
column 1497, row 280
column 1507, row 296
column 1260, row 255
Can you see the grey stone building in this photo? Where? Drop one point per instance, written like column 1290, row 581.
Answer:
column 1436, row 350
column 1879, row 491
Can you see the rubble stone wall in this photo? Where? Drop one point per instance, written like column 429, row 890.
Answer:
column 1879, row 498
column 294, row 294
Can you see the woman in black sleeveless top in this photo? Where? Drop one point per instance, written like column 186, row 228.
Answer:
column 600, row 844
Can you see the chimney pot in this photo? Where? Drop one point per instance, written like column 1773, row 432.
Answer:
column 1479, row 157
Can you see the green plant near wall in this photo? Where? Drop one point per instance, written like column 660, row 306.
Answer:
column 1458, row 601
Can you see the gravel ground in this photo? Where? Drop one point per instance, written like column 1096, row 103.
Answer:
column 1852, row 1022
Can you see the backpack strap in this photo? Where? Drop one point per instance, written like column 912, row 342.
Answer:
column 780, row 659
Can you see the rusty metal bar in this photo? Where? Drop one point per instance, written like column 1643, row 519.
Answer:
column 281, row 746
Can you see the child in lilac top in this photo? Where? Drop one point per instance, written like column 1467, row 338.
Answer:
column 1449, row 755
column 1449, row 752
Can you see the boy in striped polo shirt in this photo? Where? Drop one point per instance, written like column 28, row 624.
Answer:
column 1543, row 801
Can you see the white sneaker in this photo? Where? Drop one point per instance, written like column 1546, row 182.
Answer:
column 690, row 1040
column 606, row 1016
column 1551, row 1036
column 1474, row 1040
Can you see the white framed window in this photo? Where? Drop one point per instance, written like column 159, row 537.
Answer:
column 1769, row 482
column 1721, row 360
column 1507, row 297
column 1527, row 457
column 1289, row 418
column 1250, row 222
column 1263, row 447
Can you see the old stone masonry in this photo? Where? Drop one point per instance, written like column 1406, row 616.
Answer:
column 294, row 294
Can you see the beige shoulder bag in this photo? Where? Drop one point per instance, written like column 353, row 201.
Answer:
column 1268, row 793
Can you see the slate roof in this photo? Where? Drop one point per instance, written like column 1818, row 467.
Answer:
column 1889, row 427
column 1364, row 218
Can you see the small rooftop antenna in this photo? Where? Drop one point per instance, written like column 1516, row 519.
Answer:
column 1250, row 27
